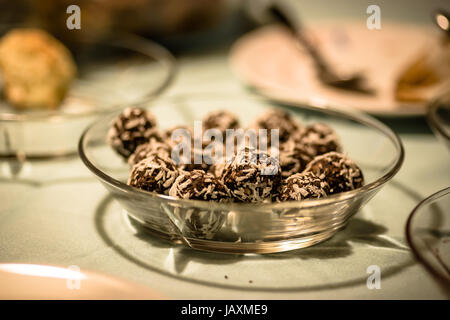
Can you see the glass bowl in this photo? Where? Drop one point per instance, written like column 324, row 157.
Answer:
column 116, row 71
column 428, row 234
column 240, row 227
column 438, row 117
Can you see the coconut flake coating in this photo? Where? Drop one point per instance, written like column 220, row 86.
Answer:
column 153, row 147
column 133, row 127
column 221, row 120
column 196, row 161
column 252, row 176
column 182, row 133
column 217, row 168
column 199, row 185
column 319, row 138
column 340, row 172
column 302, row 186
column 184, row 142
column 277, row 119
column 294, row 157
column 154, row 174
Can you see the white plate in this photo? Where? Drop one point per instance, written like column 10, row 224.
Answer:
column 32, row 281
column 269, row 60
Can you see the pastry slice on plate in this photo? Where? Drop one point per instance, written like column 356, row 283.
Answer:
column 426, row 76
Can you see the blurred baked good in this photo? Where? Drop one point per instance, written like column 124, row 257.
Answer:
column 426, row 76
column 36, row 68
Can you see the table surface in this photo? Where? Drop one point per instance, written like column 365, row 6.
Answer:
column 57, row 213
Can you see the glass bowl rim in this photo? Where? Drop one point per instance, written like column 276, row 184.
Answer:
column 408, row 231
column 431, row 114
column 349, row 114
column 122, row 40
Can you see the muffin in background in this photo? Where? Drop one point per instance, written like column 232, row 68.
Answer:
column 36, row 68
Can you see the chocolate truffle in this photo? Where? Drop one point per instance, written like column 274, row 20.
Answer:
column 133, row 127
column 216, row 169
column 294, row 157
column 277, row 119
column 319, row 138
column 190, row 165
column 199, row 185
column 340, row 172
column 252, row 176
column 183, row 142
column 154, row 173
column 303, row 186
column 221, row 120
column 199, row 158
column 187, row 133
column 153, row 147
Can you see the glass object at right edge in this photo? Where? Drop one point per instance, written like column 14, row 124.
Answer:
column 438, row 117
column 428, row 234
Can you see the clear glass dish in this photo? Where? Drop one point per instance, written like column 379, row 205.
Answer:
column 247, row 228
column 428, row 234
column 438, row 117
column 116, row 71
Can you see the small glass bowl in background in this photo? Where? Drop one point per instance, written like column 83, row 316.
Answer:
column 438, row 117
column 114, row 72
column 238, row 227
column 428, row 234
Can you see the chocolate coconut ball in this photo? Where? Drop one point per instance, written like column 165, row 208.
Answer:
column 154, row 174
column 133, row 127
column 199, row 158
column 277, row 119
column 221, row 120
column 216, row 169
column 319, row 138
column 153, row 147
column 302, row 186
column 183, row 132
column 252, row 176
column 196, row 161
column 340, row 172
column 199, row 185
column 181, row 143
column 294, row 157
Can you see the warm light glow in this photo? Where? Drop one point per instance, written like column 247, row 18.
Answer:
column 42, row 271
column 442, row 21
column 169, row 263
